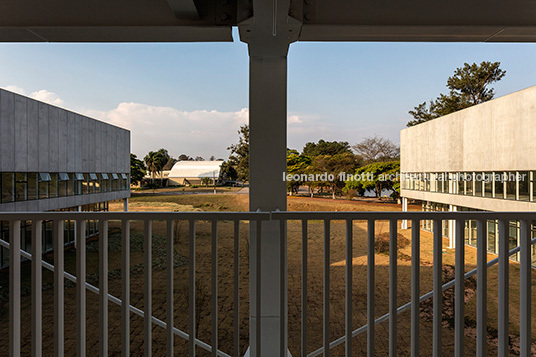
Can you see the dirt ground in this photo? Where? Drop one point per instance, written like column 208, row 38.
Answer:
column 226, row 287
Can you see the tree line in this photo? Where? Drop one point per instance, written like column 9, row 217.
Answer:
column 324, row 157
column 375, row 155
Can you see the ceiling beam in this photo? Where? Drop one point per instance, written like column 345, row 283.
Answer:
column 117, row 34
column 184, row 9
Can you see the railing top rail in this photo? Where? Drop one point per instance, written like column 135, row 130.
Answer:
column 155, row 216
column 278, row 215
column 388, row 215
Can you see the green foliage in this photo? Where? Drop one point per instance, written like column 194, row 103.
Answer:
column 206, row 181
column 296, row 164
column 471, row 81
column 326, row 148
column 468, row 86
column 377, row 177
column 137, row 169
column 228, row 171
column 239, row 157
column 156, row 160
column 335, row 165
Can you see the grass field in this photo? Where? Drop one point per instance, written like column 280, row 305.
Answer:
column 225, row 255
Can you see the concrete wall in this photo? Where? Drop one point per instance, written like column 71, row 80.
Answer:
column 481, row 203
column 494, row 136
column 38, row 137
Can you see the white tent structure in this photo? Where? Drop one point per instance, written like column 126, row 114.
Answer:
column 193, row 172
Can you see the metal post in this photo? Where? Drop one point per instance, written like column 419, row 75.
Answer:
column 267, row 191
column 525, row 290
column 37, row 288
column 503, row 316
column 438, row 291
column 268, row 34
column 14, row 288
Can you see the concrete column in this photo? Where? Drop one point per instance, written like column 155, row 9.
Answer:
column 267, row 162
column 404, row 209
column 125, row 204
column 268, row 35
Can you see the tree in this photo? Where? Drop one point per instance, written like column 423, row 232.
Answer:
column 239, row 157
column 155, row 161
column 169, row 164
column 376, row 148
column 228, row 171
column 206, row 181
column 326, row 148
column 471, row 81
column 137, row 169
column 184, row 157
column 376, row 177
column 199, row 158
column 468, row 86
column 212, row 158
column 333, row 166
column 296, row 165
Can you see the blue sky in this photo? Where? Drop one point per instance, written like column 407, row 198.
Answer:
column 192, row 98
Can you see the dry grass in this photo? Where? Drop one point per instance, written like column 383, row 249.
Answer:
column 225, row 278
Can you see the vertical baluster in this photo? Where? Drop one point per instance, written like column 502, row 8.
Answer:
column 283, row 288
column 415, row 285
column 459, row 299
column 81, row 287
column 525, row 289
column 304, row 290
column 169, row 288
column 438, row 283
column 503, row 289
column 370, row 288
column 125, row 289
column 14, row 288
column 236, row 300
column 482, row 289
column 393, row 260
column 147, row 294
column 103, row 288
column 214, row 297
column 37, row 288
column 326, row 286
column 191, row 288
column 59, row 287
column 258, row 299
column 348, row 298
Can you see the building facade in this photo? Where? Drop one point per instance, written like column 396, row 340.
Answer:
column 480, row 158
column 53, row 159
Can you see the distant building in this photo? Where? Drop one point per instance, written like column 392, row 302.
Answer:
column 193, row 172
column 52, row 159
column 482, row 158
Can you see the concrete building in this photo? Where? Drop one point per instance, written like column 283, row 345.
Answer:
column 193, row 172
column 53, row 159
column 480, row 158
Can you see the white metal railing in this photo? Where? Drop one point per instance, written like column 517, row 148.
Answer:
column 255, row 218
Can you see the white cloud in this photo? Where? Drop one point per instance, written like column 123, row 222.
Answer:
column 196, row 133
column 48, row 97
column 199, row 132
column 42, row 95
column 15, row 89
